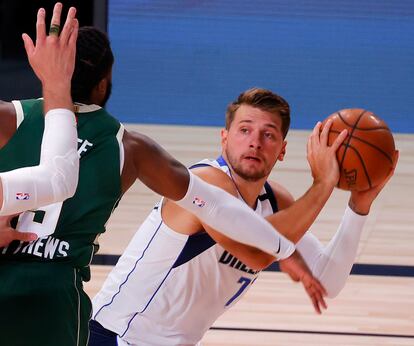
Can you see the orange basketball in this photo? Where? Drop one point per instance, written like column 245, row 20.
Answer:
column 366, row 155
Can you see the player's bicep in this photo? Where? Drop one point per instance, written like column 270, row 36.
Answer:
column 8, row 122
column 156, row 168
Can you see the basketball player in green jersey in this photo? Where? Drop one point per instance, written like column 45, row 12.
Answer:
column 41, row 291
column 55, row 177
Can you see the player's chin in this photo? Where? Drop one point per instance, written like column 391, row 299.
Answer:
column 253, row 174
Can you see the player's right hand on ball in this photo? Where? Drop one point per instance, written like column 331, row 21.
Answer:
column 321, row 157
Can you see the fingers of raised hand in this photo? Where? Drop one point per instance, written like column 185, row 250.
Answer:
column 55, row 22
column 69, row 27
column 74, row 33
column 40, row 26
column 28, row 44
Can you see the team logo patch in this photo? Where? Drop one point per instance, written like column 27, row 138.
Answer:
column 22, row 196
column 199, row 202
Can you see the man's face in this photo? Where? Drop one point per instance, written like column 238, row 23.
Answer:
column 253, row 143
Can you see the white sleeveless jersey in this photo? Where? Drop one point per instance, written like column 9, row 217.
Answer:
column 168, row 288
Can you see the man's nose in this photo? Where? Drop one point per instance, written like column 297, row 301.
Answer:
column 255, row 140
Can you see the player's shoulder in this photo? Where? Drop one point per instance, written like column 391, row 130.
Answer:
column 6, row 108
column 283, row 196
column 138, row 142
column 215, row 176
column 8, row 122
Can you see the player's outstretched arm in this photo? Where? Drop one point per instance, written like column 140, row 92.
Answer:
column 55, row 178
column 332, row 263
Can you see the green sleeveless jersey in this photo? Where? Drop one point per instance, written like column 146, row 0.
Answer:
column 76, row 222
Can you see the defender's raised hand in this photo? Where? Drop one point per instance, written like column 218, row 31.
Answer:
column 52, row 58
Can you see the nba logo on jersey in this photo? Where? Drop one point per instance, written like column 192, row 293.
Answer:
column 199, row 202
column 22, row 196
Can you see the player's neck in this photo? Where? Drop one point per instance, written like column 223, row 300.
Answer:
column 249, row 190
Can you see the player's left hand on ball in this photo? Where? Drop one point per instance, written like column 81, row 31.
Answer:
column 297, row 269
column 360, row 201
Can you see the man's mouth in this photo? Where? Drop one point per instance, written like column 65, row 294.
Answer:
column 252, row 158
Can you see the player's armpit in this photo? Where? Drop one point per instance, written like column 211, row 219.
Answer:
column 7, row 122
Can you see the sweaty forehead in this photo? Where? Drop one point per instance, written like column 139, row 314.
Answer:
column 253, row 115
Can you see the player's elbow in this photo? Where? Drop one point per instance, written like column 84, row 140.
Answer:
column 332, row 287
column 68, row 184
column 333, row 291
column 64, row 176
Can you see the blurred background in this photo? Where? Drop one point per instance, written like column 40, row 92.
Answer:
column 182, row 61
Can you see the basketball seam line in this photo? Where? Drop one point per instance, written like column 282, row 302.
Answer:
column 347, row 145
column 369, row 144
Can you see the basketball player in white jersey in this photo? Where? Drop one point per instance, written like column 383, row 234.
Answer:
column 178, row 275
column 55, row 178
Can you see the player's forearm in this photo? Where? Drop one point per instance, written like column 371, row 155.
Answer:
column 295, row 220
column 332, row 263
column 55, row 178
column 57, row 95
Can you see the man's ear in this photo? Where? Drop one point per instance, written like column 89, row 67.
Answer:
column 224, row 134
column 282, row 152
column 102, row 86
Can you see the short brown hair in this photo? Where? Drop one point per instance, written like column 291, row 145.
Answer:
column 265, row 100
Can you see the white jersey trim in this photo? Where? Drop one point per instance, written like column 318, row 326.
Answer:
column 119, row 137
column 82, row 108
column 19, row 113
